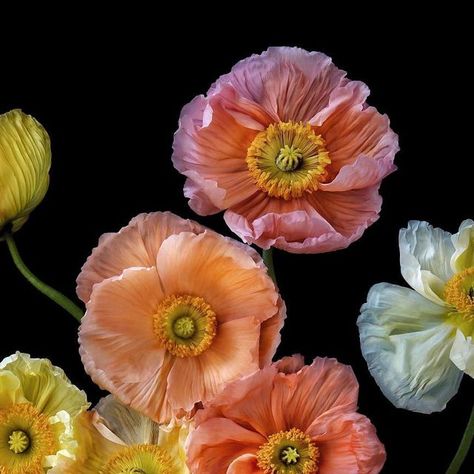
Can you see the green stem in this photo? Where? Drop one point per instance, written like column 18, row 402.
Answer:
column 268, row 260
column 51, row 293
column 463, row 447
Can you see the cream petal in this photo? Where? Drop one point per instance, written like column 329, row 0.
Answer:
column 130, row 426
column 462, row 353
column 406, row 346
column 425, row 256
column 463, row 241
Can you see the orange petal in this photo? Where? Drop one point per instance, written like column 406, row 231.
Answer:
column 214, row 268
column 135, row 245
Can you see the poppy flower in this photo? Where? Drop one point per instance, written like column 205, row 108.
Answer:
column 418, row 342
column 287, row 419
column 174, row 313
column 289, row 148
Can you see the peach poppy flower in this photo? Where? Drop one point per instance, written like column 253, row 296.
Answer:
column 287, row 419
column 174, row 313
column 287, row 145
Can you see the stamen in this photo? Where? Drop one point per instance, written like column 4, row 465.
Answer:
column 185, row 325
column 288, row 159
column 18, row 441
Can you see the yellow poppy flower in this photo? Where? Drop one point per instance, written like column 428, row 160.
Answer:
column 38, row 405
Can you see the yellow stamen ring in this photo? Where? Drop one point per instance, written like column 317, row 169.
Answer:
column 185, row 325
column 26, row 438
column 288, row 159
column 459, row 292
column 140, row 459
column 288, row 452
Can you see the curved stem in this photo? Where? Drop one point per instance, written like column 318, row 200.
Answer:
column 268, row 260
column 42, row 287
column 464, row 447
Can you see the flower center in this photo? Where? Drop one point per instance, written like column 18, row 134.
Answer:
column 288, row 159
column 288, row 452
column 140, row 459
column 185, row 325
column 26, row 438
column 459, row 292
column 18, row 441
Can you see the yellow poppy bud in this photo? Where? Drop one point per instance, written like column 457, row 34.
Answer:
column 25, row 160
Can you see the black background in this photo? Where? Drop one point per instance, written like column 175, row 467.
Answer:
column 109, row 91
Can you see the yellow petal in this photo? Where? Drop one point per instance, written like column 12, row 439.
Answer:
column 25, row 160
column 45, row 386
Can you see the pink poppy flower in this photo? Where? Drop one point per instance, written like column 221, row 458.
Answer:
column 287, row 419
column 174, row 313
column 288, row 147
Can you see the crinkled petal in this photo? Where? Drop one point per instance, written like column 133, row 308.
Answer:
column 406, row 345
column 302, row 397
column 425, row 259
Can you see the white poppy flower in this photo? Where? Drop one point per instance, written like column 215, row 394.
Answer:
column 419, row 343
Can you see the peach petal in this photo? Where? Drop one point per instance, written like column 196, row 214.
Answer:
column 233, row 354
column 215, row 444
column 323, row 386
column 119, row 323
column 135, row 245
column 349, row 444
column 270, row 337
column 227, row 277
